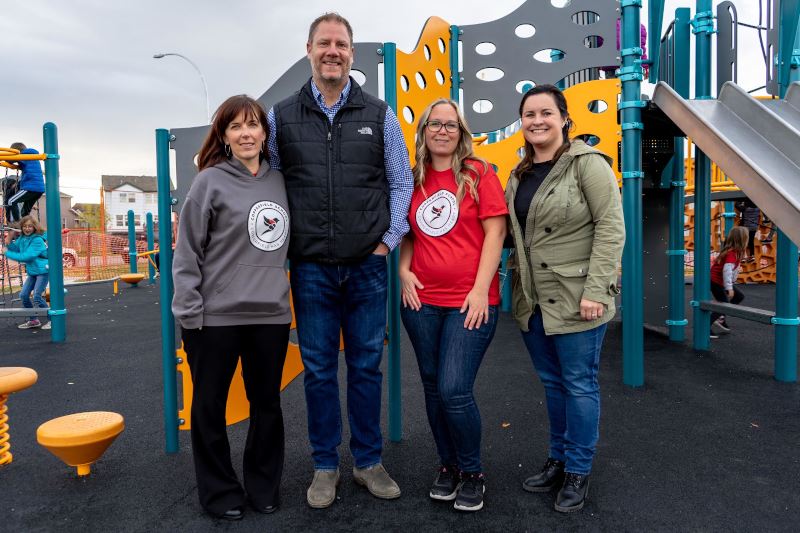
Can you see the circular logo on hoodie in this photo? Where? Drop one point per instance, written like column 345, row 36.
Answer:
column 267, row 225
column 438, row 214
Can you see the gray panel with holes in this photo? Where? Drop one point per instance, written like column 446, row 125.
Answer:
column 537, row 43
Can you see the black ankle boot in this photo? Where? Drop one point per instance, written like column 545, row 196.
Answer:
column 573, row 493
column 551, row 476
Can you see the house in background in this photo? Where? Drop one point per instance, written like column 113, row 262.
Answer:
column 68, row 218
column 123, row 193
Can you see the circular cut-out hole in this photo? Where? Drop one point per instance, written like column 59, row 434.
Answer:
column 439, row 77
column 560, row 3
column 359, row 76
column 482, row 106
column 597, row 106
column 194, row 160
column 489, row 74
column 590, row 139
column 442, row 47
column 549, row 55
column 485, row 49
column 524, row 86
column 404, row 83
column 524, row 31
column 593, row 41
column 584, row 18
column 408, row 115
column 427, row 51
column 421, row 80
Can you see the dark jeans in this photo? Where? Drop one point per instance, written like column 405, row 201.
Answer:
column 718, row 291
column 213, row 353
column 568, row 365
column 36, row 284
column 350, row 298
column 449, row 355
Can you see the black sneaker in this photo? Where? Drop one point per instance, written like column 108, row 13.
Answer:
column 551, row 476
column 446, row 484
column 470, row 492
column 573, row 493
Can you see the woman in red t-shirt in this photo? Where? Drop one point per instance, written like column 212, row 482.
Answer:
column 448, row 269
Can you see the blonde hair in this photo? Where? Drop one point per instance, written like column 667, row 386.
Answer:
column 464, row 161
column 29, row 219
column 736, row 242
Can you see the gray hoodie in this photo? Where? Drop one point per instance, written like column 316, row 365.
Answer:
column 230, row 255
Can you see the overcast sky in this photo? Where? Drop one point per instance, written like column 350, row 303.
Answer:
column 87, row 65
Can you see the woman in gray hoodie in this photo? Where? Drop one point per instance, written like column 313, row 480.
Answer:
column 232, row 301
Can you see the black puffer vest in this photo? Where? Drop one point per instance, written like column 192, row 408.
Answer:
column 335, row 176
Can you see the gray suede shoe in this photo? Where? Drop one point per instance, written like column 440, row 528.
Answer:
column 377, row 481
column 322, row 491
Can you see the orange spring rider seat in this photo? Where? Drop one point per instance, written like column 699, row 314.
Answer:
column 80, row 439
column 12, row 379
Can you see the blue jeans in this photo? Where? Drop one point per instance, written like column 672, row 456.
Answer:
column 449, row 356
column 37, row 284
column 352, row 298
column 568, row 366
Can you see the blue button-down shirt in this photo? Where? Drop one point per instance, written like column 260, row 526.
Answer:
column 395, row 158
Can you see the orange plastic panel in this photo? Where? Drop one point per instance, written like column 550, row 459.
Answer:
column 418, row 83
column 504, row 154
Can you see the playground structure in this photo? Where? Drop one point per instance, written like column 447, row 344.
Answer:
column 80, row 439
column 12, row 379
column 57, row 311
column 576, row 40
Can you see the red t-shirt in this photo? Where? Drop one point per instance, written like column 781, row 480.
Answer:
column 448, row 237
column 716, row 268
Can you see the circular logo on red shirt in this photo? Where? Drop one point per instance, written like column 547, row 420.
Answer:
column 438, row 214
column 267, row 225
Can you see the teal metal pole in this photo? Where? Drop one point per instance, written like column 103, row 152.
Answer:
column 655, row 16
column 677, row 253
column 168, row 359
column 730, row 218
column 58, row 312
column 632, row 285
column 394, row 369
column 455, row 75
column 786, row 319
column 151, row 271
column 703, row 23
column 132, row 242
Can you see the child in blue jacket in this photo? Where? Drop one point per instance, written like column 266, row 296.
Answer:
column 31, row 185
column 30, row 248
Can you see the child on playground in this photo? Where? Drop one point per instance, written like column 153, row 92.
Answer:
column 30, row 248
column 31, row 185
column 724, row 271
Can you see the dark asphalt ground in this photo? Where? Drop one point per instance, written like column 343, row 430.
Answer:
column 709, row 444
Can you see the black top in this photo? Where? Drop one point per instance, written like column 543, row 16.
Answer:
column 529, row 183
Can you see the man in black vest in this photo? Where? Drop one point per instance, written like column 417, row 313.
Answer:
column 349, row 185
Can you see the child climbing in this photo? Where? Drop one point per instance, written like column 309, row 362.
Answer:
column 724, row 271
column 31, row 248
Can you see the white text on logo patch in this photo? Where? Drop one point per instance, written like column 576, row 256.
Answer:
column 438, row 214
column 267, row 225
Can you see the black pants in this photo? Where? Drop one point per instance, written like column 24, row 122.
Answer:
column 751, row 242
column 20, row 204
column 718, row 291
column 212, row 354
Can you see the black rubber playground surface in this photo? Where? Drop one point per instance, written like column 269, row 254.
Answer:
column 710, row 443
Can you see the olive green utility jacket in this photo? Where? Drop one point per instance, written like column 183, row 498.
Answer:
column 573, row 242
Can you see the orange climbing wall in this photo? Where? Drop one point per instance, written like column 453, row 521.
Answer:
column 422, row 77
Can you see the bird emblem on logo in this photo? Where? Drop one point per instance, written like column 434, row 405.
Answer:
column 270, row 223
column 437, row 211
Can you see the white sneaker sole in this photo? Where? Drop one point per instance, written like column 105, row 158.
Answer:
column 443, row 498
column 478, row 507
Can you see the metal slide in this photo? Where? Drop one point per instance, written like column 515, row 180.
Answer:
column 755, row 142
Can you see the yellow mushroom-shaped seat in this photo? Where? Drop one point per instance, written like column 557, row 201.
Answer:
column 12, row 379
column 80, row 439
column 133, row 279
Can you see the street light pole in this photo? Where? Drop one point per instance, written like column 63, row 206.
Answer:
column 202, row 78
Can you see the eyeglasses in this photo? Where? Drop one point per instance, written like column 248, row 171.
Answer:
column 437, row 125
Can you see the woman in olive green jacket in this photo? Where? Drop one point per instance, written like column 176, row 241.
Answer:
column 568, row 231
